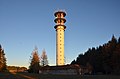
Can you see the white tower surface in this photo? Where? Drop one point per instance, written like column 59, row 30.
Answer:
column 60, row 28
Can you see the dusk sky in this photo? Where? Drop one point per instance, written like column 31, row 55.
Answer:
column 25, row 24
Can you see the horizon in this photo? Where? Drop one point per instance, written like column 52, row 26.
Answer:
column 26, row 24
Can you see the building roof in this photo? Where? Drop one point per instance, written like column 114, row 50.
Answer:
column 62, row 67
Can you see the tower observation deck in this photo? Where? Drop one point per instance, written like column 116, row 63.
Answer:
column 60, row 28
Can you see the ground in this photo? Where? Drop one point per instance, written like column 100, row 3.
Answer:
column 41, row 76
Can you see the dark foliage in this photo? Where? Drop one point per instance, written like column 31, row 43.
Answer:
column 3, row 66
column 103, row 59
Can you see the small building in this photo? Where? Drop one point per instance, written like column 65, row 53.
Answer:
column 64, row 69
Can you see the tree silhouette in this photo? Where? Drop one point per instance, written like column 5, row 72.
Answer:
column 44, row 60
column 3, row 66
column 35, row 62
column 73, row 62
column 119, row 40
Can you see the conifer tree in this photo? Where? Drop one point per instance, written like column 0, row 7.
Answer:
column 119, row 40
column 44, row 60
column 35, row 62
column 3, row 66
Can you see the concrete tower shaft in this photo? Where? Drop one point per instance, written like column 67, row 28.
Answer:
column 60, row 28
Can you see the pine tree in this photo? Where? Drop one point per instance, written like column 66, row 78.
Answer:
column 3, row 66
column 35, row 62
column 119, row 40
column 73, row 62
column 44, row 61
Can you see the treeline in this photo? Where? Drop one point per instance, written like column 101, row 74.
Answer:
column 104, row 59
column 16, row 69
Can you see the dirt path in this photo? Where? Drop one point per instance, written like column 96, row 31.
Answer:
column 14, row 75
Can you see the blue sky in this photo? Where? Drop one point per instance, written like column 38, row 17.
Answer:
column 25, row 24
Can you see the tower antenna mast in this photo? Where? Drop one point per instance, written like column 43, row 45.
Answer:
column 60, row 28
